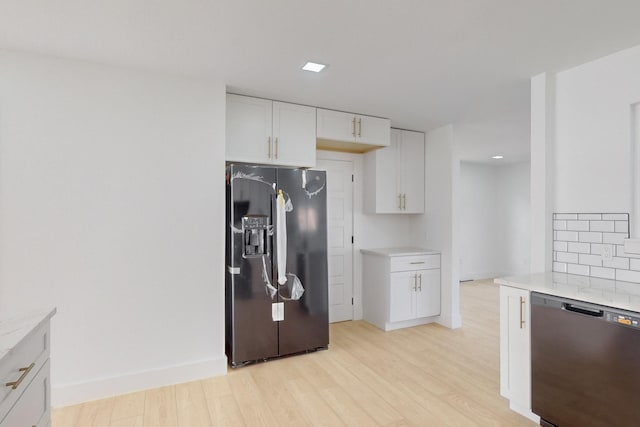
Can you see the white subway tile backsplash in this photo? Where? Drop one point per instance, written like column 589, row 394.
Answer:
column 604, row 273
column 602, row 226
column 621, row 227
column 560, row 267
column 583, row 248
column 589, row 237
column 578, row 241
column 559, row 225
column 578, row 225
column 567, row 257
column 560, row 246
column 582, row 270
column 615, row 217
column 614, row 238
column 618, row 262
column 568, row 236
column 628, row 275
column 565, row 216
column 586, row 259
column 590, row 216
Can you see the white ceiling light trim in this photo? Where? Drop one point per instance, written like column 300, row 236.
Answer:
column 313, row 66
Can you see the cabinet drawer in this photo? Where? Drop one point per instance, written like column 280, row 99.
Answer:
column 415, row 262
column 33, row 407
column 24, row 362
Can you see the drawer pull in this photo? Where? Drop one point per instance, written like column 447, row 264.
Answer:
column 417, row 262
column 25, row 371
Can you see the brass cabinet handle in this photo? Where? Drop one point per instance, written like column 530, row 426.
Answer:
column 269, row 147
column 521, row 312
column 415, row 282
column 399, row 201
column 420, row 288
column 25, row 371
column 417, row 262
column 359, row 127
column 404, row 201
column 353, row 122
column 276, row 147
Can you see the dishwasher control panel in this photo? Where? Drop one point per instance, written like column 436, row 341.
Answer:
column 623, row 319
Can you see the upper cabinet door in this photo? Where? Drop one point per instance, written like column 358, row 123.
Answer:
column 373, row 130
column 294, row 135
column 412, row 171
column 388, row 197
column 336, row 125
column 249, row 136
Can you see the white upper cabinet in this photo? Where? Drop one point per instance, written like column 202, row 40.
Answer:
column 351, row 132
column 270, row 132
column 395, row 175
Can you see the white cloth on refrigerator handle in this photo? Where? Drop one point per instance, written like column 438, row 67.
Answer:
column 281, row 238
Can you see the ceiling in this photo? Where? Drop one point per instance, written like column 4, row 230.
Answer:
column 422, row 63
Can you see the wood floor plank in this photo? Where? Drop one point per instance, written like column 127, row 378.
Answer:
column 255, row 410
column 191, row 405
column 128, row 406
column 428, row 375
column 96, row 413
column 272, row 380
column 160, row 408
column 316, row 411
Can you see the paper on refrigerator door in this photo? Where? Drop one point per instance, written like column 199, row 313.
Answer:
column 277, row 311
column 281, row 238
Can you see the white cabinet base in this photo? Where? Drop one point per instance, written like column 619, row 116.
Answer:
column 400, row 290
column 515, row 350
column 392, row 326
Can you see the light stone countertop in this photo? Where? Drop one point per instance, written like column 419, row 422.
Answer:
column 14, row 329
column 611, row 293
column 399, row 251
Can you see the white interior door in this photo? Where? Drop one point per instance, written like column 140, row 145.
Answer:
column 340, row 226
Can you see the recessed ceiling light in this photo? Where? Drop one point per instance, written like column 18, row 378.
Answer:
column 497, row 157
column 313, row 66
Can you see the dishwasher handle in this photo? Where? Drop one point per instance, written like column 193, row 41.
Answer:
column 582, row 310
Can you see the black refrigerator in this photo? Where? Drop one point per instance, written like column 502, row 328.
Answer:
column 276, row 286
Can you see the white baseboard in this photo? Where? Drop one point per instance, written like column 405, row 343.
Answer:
column 451, row 322
column 72, row 394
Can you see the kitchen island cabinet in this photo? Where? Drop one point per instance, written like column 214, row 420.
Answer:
column 401, row 287
column 518, row 331
column 515, row 349
column 24, row 369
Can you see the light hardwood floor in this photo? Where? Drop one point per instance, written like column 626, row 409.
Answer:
column 423, row 376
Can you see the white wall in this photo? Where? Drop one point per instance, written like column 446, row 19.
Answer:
column 110, row 193
column 438, row 227
column 593, row 134
column 494, row 220
column 542, row 170
column 583, row 118
column 513, row 206
column 479, row 232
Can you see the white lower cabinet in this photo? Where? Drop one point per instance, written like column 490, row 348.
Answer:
column 24, row 371
column 515, row 350
column 32, row 409
column 414, row 294
column 400, row 290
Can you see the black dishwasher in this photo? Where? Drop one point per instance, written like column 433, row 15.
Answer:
column 585, row 363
